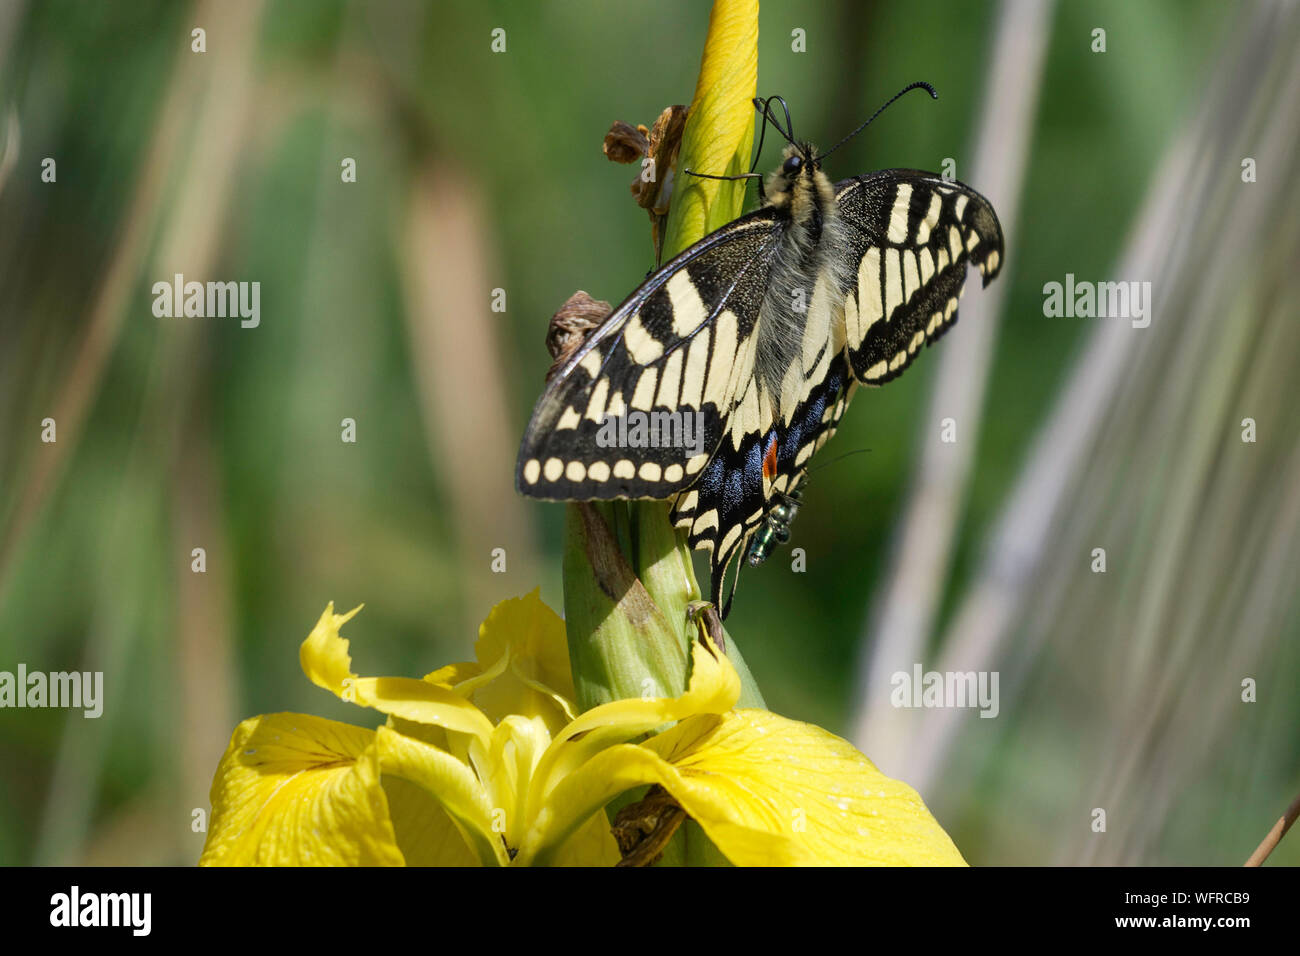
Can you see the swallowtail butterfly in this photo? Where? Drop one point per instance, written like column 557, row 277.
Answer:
column 716, row 381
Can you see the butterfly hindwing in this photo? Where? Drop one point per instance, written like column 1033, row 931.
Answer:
column 673, row 354
column 732, row 497
column 911, row 236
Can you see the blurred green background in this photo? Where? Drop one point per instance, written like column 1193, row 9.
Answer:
column 479, row 171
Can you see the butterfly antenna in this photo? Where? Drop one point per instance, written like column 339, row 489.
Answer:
column 691, row 172
column 765, row 105
column 847, row 454
column 919, row 85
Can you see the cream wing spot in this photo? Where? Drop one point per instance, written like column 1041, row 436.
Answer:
column 877, row 371
column 705, row 522
column 911, row 282
column 591, row 363
column 644, row 396
column 576, row 471
column 674, row 473
column 893, row 283
column 689, row 312
column 697, row 366
column 917, row 340
column 671, row 380
column 898, row 361
column 724, row 355
column 927, row 266
column 640, row 344
column 696, row 463
column 730, row 538
column 898, row 215
column 554, row 468
column 954, row 243
column 930, row 221
column 959, row 207
column 532, row 471
column 851, row 318
column 624, row 469
column 744, row 418
column 596, row 406
column 599, row 471
column 650, row 471
column 568, row 420
column 869, row 292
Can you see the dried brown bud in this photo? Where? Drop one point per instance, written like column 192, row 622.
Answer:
column 571, row 325
column 653, row 186
column 625, row 143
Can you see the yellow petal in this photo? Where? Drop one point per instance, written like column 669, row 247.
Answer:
column 296, row 790
column 714, row 689
column 324, row 654
column 325, row 660
column 719, row 129
column 426, row 835
column 420, row 701
column 452, row 784
column 592, row 845
column 454, row 674
column 522, row 645
column 578, row 797
column 752, row 772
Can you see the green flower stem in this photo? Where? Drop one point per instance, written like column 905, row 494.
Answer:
column 628, row 573
column 621, row 642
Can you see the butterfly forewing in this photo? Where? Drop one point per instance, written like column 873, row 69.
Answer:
column 639, row 410
column 912, row 235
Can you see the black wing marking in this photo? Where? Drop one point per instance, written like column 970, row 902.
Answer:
column 666, row 366
column 911, row 235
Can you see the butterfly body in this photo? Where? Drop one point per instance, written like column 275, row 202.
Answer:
column 740, row 355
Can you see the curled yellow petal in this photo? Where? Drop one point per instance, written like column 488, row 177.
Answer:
column 325, row 660
column 296, row 790
column 420, row 701
column 324, row 654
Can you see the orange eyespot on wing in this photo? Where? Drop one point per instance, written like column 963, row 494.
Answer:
column 769, row 460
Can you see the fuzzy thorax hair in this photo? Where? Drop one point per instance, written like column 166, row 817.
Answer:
column 812, row 252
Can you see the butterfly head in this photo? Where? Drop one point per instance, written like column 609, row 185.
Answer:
column 799, row 184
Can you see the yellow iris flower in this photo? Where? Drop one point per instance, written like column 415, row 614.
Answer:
column 488, row 763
